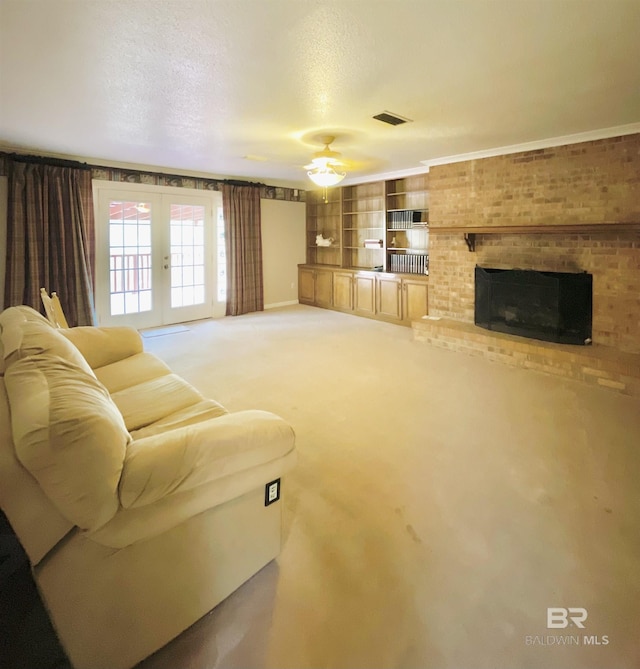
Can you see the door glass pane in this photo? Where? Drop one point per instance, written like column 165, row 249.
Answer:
column 187, row 255
column 129, row 257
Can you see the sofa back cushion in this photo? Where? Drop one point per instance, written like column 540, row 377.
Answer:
column 21, row 313
column 22, row 338
column 15, row 316
column 69, row 435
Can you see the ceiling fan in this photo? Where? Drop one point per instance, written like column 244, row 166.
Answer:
column 325, row 165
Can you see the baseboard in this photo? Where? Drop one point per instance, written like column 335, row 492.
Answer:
column 275, row 305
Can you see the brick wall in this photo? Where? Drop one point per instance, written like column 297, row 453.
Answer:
column 570, row 187
column 590, row 182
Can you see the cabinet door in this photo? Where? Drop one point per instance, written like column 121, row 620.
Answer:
column 389, row 301
column 415, row 299
column 343, row 291
column 306, row 286
column 323, row 288
column 365, row 294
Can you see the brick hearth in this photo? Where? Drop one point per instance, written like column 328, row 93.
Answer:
column 598, row 365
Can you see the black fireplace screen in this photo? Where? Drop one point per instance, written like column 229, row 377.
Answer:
column 551, row 306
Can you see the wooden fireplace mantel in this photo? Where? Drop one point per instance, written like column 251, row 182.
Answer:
column 470, row 232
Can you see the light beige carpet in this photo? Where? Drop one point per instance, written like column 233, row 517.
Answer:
column 440, row 505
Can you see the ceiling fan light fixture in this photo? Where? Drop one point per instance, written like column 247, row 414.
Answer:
column 322, row 170
column 325, row 176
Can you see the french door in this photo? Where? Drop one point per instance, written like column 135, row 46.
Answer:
column 155, row 255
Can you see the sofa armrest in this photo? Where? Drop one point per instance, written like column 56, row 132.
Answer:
column 103, row 346
column 182, row 459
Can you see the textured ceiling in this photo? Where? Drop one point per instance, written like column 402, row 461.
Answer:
column 245, row 88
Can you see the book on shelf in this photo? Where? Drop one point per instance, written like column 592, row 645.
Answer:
column 409, row 263
column 406, row 219
column 373, row 243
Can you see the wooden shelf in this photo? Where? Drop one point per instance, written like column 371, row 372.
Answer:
column 579, row 228
column 576, row 229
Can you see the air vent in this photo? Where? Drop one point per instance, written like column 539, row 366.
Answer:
column 391, row 119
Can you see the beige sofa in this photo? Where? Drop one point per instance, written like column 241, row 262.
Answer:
column 140, row 504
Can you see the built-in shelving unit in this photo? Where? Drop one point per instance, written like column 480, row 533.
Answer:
column 382, row 226
column 377, row 263
column 324, row 219
column 363, row 226
column 407, row 225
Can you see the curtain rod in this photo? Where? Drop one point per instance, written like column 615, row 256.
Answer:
column 43, row 160
column 231, row 182
column 61, row 162
column 237, row 182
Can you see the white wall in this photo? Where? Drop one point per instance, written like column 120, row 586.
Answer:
column 283, row 248
column 4, row 194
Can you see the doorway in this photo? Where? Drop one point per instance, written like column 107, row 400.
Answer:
column 157, row 255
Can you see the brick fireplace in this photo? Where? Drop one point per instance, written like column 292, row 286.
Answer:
column 573, row 208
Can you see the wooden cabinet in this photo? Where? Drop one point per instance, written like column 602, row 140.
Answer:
column 323, row 288
column 389, row 302
column 394, row 298
column 415, row 299
column 364, row 293
column 402, row 298
column 343, row 290
column 306, row 285
column 315, row 286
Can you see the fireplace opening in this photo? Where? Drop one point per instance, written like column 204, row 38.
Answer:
column 551, row 306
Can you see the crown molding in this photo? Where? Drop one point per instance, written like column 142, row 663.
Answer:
column 591, row 135
column 384, row 176
column 576, row 138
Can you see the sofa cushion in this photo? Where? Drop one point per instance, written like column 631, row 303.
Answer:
column 191, row 415
column 102, row 346
column 35, row 337
column 131, row 371
column 20, row 314
column 69, row 435
column 152, row 400
column 9, row 319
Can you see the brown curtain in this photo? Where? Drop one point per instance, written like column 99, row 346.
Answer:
column 50, row 236
column 243, row 242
